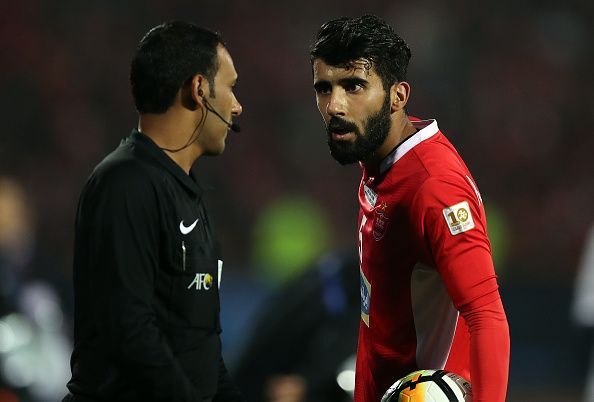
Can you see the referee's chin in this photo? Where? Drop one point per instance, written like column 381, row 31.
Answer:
column 215, row 151
column 214, row 145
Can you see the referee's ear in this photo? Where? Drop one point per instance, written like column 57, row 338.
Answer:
column 199, row 89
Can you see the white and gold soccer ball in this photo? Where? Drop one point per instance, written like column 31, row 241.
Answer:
column 429, row 386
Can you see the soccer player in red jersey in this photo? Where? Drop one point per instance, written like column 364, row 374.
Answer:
column 429, row 294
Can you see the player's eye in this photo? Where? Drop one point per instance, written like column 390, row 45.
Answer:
column 353, row 87
column 322, row 89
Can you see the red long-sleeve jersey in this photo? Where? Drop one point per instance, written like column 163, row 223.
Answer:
column 429, row 294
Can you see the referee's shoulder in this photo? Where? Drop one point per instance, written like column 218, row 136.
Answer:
column 123, row 171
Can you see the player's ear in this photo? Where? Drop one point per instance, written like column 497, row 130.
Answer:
column 399, row 93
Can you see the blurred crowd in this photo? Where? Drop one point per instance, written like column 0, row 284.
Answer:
column 509, row 83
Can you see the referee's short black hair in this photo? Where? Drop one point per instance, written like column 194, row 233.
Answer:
column 344, row 40
column 166, row 58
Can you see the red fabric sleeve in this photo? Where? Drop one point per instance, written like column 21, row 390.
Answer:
column 463, row 259
column 462, row 256
column 489, row 349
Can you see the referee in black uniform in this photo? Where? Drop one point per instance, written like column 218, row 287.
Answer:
column 147, row 267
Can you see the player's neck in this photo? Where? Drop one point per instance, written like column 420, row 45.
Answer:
column 401, row 129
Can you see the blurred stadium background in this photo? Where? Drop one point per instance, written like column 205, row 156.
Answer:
column 509, row 82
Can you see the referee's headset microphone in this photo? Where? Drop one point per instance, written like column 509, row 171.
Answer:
column 233, row 126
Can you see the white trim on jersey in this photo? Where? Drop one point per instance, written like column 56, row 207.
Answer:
column 434, row 315
column 427, row 129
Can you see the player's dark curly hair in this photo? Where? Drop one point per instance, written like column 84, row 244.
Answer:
column 344, row 40
column 166, row 58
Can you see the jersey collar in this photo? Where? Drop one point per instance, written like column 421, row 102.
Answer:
column 427, row 129
column 147, row 144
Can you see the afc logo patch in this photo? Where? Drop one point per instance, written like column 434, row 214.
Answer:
column 380, row 222
column 202, row 282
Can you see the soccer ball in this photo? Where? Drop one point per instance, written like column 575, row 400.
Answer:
column 429, row 386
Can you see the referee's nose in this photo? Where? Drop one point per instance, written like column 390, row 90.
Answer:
column 236, row 108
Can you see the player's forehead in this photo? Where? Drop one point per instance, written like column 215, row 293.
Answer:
column 359, row 68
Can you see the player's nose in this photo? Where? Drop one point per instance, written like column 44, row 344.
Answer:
column 336, row 104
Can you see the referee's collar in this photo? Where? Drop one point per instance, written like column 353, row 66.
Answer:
column 188, row 181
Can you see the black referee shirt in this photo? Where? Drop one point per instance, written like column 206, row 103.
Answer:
column 146, row 280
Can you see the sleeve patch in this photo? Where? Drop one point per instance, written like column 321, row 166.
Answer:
column 458, row 218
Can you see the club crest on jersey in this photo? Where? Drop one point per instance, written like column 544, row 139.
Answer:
column 458, row 218
column 365, row 297
column 380, row 221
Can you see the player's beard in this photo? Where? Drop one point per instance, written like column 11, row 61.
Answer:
column 363, row 148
